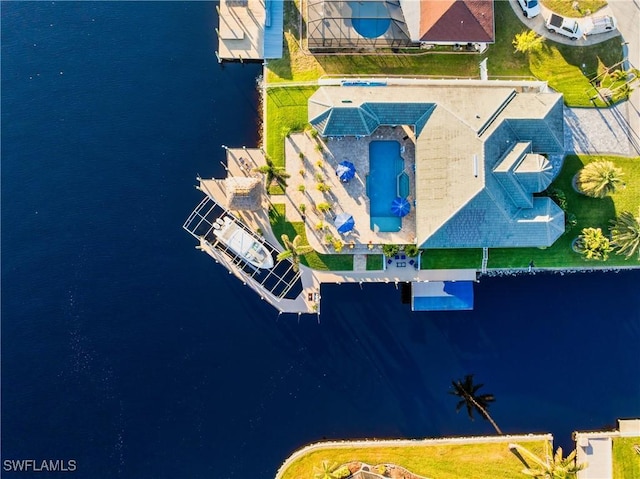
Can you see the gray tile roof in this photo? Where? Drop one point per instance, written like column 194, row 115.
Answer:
column 478, row 156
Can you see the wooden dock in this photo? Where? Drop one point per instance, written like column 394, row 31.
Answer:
column 250, row 29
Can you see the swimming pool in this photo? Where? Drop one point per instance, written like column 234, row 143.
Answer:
column 370, row 19
column 385, row 164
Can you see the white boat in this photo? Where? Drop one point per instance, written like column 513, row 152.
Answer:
column 242, row 243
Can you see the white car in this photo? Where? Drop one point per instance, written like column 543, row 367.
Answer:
column 530, row 8
column 569, row 27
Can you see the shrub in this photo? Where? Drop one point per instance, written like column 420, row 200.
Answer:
column 338, row 245
column 411, row 250
column 302, row 188
column 323, row 187
column 303, row 208
column 324, row 207
column 320, row 226
column 301, row 156
column 319, row 148
column 320, row 164
column 559, row 196
column 313, row 133
column 319, row 177
column 302, row 172
column 390, row 250
column 328, row 238
column 599, row 179
column 342, row 472
column 593, row 244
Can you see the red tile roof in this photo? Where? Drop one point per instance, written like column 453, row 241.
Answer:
column 461, row 21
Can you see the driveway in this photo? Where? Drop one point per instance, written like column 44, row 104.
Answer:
column 614, row 130
column 600, row 131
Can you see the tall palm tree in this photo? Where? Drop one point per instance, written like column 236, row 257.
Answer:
column 625, row 234
column 599, row 179
column 273, row 172
column 480, row 402
column 549, row 466
column 294, row 250
column 527, row 42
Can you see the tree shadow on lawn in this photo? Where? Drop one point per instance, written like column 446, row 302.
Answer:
column 593, row 57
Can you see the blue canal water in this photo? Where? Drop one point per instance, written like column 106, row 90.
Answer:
column 132, row 353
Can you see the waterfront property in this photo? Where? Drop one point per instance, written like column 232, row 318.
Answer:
column 481, row 152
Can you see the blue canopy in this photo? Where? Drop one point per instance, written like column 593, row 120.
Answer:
column 344, row 222
column 346, row 171
column 400, row 207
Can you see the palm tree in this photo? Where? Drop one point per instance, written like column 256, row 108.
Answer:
column 325, row 471
column 625, row 234
column 480, row 402
column 527, row 42
column 599, row 179
column 273, row 172
column 294, row 250
column 550, row 466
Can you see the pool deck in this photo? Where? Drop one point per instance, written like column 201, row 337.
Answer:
column 348, row 197
column 243, row 161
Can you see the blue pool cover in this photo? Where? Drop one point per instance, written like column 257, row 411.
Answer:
column 442, row 296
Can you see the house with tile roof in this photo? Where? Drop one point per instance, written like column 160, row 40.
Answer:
column 396, row 23
column 481, row 154
column 450, row 21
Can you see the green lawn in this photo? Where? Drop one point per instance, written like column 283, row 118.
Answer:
column 626, row 461
column 565, row 7
column 562, row 66
column 315, row 260
column 286, row 113
column 590, row 212
column 467, row 258
column 374, row 262
column 443, row 461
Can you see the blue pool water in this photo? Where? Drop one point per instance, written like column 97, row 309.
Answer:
column 369, row 18
column 385, row 163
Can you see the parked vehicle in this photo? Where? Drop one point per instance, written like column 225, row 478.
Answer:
column 569, row 27
column 530, row 8
column 602, row 24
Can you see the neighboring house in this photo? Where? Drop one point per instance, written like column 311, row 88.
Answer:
column 450, row 21
column 478, row 156
column 396, row 23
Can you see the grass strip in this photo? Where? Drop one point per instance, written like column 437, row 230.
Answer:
column 626, row 460
column 315, row 260
column 442, row 461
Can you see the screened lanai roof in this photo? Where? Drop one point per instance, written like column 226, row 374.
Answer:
column 355, row 24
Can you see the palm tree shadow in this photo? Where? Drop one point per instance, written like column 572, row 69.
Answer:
column 519, row 456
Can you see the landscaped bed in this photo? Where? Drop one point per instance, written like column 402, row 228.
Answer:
column 438, row 461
